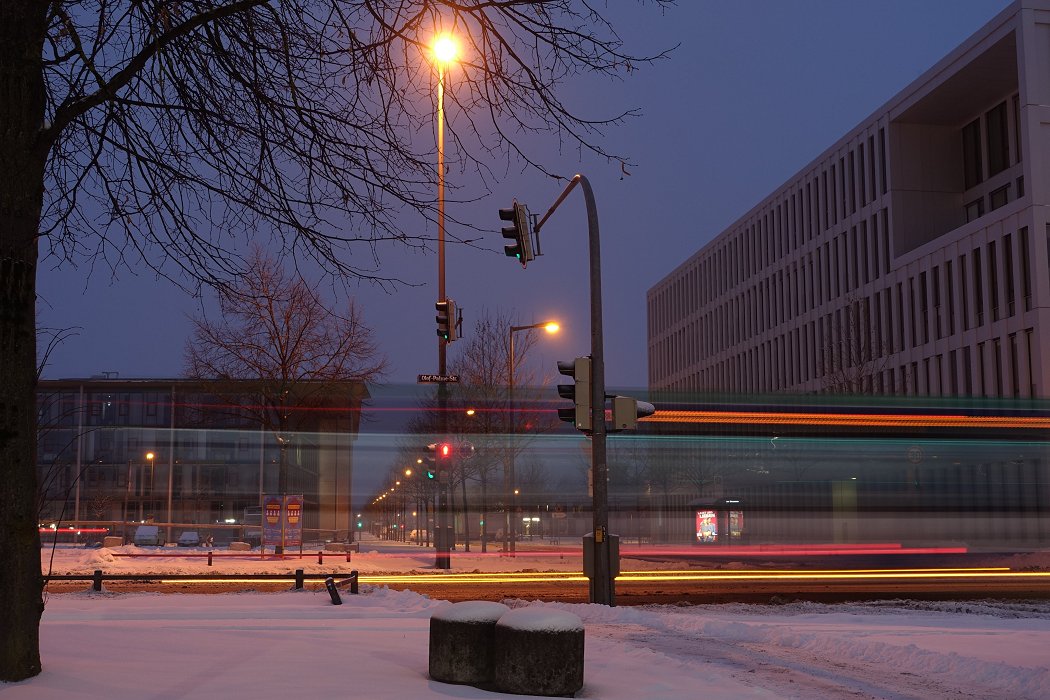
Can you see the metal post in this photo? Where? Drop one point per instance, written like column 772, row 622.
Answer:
column 602, row 590
column 509, row 477
column 443, row 558
column 127, row 491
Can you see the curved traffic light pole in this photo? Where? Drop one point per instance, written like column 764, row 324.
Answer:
column 602, row 580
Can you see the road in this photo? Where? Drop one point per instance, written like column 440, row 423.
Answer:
column 657, row 587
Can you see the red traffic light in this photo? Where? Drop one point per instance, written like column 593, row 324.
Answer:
column 444, row 450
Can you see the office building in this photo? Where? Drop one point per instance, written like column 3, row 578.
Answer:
column 910, row 257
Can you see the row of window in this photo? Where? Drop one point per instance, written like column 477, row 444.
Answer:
column 986, row 142
column 1000, row 367
column 809, row 208
column 956, row 295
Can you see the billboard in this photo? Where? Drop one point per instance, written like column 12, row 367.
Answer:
column 282, row 520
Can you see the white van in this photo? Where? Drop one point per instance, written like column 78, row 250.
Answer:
column 149, row 535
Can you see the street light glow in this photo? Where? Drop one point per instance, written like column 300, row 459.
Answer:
column 552, row 327
column 445, row 48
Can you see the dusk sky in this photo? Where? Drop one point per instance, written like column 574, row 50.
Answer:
column 755, row 91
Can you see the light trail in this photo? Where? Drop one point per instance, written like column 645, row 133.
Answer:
column 451, row 579
column 847, row 419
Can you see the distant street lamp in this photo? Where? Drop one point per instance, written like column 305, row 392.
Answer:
column 149, row 458
column 510, row 490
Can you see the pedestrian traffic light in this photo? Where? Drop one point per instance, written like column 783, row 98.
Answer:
column 579, row 391
column 446, row 320
column 519, row 233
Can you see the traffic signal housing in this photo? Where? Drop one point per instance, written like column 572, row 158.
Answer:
column 579, row 392
column 518, row 232
column 446, row 320
column 438, row 460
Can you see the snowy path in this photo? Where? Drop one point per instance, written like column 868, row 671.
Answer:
column 374, row 646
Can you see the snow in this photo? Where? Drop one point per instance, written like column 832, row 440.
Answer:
column 476, row 611
column 540, row 619
column 272, row 645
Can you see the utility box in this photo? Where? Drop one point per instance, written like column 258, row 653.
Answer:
column 588, row 555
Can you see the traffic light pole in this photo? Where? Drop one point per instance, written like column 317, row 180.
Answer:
column 602, row 590
column 443, row 557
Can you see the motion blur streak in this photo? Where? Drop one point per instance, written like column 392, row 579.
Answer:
column 871, row 420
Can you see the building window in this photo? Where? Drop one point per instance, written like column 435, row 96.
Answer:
column 1017, row 132
column 973, row 169
column 998, row 139
column 993, row 280
column 1026, row 273
column 978, row 292
column 975, row 210
column 949, row 293
column 882, row 160
column 1008, row 272
column 999, row 198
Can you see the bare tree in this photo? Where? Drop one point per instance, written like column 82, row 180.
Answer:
column 276, row 348
column 854, row 350
column 160, row 134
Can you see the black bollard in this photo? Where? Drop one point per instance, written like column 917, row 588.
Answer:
column 329, row 583
column 348, row 554
column 320, row 557
column 209, row 558
column 298, row 579
column 353, row 582
column 96, row 582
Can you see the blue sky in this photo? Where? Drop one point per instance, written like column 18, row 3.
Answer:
column 755, row 90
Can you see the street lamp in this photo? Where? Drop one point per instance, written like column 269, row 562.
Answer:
column 511, row 491
column 149, row 458
column 445, row 50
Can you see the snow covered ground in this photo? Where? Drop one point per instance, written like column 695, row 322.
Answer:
column 374, row 646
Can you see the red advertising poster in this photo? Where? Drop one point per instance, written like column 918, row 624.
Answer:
column 706, row 526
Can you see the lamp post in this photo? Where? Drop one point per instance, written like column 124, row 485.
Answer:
column 510, row 487
column 445, row 50
column 149, row 457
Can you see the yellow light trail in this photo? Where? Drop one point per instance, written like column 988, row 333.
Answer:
column 664, row 576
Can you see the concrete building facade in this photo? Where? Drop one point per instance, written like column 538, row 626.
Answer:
column 910, row 257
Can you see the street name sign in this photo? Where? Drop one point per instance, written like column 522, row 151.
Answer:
column 437, row 379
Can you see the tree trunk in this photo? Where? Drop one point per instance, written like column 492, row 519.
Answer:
column 484, row 513
column 22, row 28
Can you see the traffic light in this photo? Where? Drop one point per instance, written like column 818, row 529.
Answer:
column 446, row 320
column 519, row 233
column 579, row 391
column 438, row 457
column 627, row 410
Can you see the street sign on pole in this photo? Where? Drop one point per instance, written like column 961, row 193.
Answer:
column 437, row 379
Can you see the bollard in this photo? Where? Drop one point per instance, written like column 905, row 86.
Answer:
column 209, row 558
column 353, row 579
column 347, row 555
column 96, row 582
column 298, row 579
column 329, row 583
column 320, row 557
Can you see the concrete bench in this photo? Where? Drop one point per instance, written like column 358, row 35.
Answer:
column 334, row 547
column 537, row 651
column 240, row 547
column 112, row 541
column 461, row 642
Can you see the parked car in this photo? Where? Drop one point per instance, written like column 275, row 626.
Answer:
column 190, row 538
column 149, row 535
